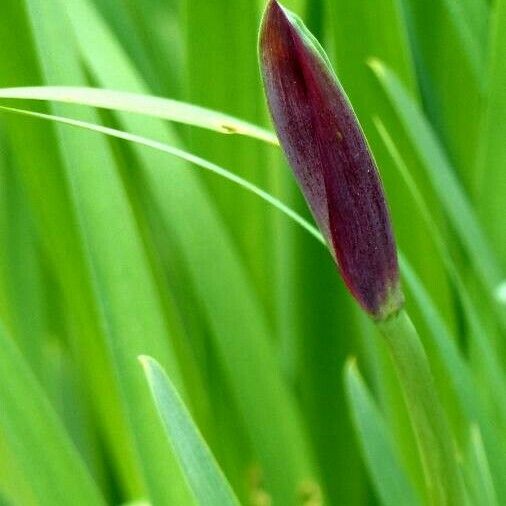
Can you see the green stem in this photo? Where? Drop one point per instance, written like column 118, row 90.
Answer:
column 434, row 438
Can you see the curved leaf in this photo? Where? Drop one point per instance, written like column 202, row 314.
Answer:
column 164, row 108
column 184, row 155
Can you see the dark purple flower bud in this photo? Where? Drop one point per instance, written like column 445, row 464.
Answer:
column 333, row 165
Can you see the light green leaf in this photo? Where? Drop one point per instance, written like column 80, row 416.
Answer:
column 449, row 43
column 183, row 155
column 458, row 374
column 163, row 108
column 238, row 335
column 101, row 262
column 388, row 476
column 442, row 175
column 478, row 472
column 491, row 182
column 260, row 349
column 208, row 483
column 36, row 436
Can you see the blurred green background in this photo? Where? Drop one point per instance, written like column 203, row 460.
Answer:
column 110, row 250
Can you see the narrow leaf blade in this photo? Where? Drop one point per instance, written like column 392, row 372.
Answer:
column 389, row 478
column 206, row 480
column 37, row 437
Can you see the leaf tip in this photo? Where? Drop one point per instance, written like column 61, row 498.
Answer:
column 145, row 361
column 377, row 66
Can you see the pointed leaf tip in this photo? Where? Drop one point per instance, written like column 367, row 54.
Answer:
column 331, row 160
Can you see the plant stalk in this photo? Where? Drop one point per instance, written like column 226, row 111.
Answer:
column 432, row 431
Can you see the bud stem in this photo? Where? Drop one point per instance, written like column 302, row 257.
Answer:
column 432, row 431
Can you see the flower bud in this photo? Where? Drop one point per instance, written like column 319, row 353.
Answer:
column 333, row 165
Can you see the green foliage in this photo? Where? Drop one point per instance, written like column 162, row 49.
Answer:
column 380, row 452
column 113, row 245
column 205, row 478
column 37, row 437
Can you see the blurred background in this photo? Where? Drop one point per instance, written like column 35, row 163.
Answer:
column 110, row 250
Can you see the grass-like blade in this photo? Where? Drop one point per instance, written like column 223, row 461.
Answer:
column 179, row 153
column 458, row 374
column 479, row 474
column 388, row 476
column 193, row 227
column 163, row 108
column 21, row 283
column 443, row 177
column 37, row 437
column 113, row 305
column 471, row 312
column 491, row 183
column 249, row 186
column 277, row 397
column 206, row 479
column 449, row 44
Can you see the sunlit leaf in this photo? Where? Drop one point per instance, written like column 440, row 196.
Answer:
column 206, row 480
column 163, row 108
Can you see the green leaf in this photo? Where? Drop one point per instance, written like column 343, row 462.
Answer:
column 457, row 378
column 442, row 175
column 444, row 345
column 458, row 375
column 381, row 455
column 101, row 263
column 36, row 436
column 237, row 332
column 208, row 483
column 449, row 43
column 259, row 351
column 229, row 56
column 478, row 472
column 21, row 283
column 472, row 314
column 491, row 183
column 157, row 107
column 183, row 155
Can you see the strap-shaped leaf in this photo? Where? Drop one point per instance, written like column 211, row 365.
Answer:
column 204, row 476
column 388, row 476
column 37, row 437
